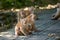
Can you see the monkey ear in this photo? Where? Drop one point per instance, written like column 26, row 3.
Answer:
column 31, row 9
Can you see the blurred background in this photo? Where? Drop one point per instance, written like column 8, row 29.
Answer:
column 8, row 4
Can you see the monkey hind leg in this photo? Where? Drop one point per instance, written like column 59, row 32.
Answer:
column 56, row 16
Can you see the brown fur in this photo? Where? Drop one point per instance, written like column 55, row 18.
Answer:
column 26, row 25
column 30, row 21
column 25, row 29
column 20, row 29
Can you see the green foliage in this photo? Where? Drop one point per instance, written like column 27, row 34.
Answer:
column 8, row 18
column 8, row 4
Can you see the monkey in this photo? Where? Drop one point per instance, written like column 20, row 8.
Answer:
column 56, row 16
column 26, row 24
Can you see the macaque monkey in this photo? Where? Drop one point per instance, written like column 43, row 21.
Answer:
column 26, row 24
column 57, row 14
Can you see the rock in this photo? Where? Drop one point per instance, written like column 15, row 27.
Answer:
column 51, row 35
column 57, row 38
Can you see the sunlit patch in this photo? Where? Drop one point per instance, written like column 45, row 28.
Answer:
column 26, row 8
